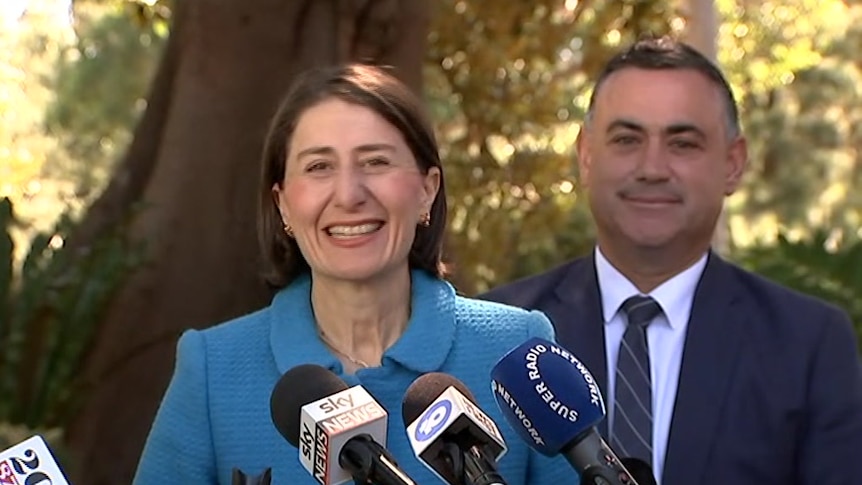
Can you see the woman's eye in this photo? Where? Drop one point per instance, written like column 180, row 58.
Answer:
column 377, row 162
column 317, row 166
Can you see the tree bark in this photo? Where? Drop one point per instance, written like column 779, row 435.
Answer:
column 194, row 168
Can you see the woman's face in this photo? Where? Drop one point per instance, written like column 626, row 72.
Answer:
column 352, row 192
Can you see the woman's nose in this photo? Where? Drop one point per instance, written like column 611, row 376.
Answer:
column 350, row 188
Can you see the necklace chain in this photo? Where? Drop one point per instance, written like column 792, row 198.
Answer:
column 354, row 360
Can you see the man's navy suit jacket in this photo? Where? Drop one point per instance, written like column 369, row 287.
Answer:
column 770, row 388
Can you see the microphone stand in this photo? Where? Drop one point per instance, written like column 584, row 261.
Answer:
column 602, row 476
column 472, row 467
column 240, row 478
column 370, row 463
column 597, row 462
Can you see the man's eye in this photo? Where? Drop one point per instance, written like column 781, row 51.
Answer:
column 684, row 144
column 624, row 140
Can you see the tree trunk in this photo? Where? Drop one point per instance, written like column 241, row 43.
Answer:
column 701, row 32
column 194, row 167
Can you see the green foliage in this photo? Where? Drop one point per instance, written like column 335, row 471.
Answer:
column 796, row 69
column 7, row 258
column 506, row 83
column 809, row 266
column 145, row 13
column 100, row 84
column 28, row 51
column 48, row 315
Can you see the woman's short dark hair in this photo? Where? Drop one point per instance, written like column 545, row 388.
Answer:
column 373, row 88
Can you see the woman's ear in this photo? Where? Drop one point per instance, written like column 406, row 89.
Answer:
column 431, row 185
column 278, row 199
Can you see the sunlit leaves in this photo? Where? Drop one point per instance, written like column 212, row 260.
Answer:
column 100, row 86
column 761, row 44
column 795, row 67
column 28, row 49
column 506, row 83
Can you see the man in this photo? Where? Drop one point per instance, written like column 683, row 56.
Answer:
column 711, row 374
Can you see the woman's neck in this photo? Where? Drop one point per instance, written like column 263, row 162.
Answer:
column 359, row 321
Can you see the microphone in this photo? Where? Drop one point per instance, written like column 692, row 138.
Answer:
column 640, row 470
column 30, row 462
column 552, row 401
column 340, row 431
column 449, row 433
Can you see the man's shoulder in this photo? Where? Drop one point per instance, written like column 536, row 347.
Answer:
column 784, row 315
column 761, row 290
column 526, row 292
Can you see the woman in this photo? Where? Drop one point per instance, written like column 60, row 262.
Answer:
column 353, row 211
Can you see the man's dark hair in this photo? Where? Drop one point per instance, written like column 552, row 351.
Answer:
column 665, row 53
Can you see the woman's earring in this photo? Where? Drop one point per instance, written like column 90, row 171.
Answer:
column 288, row 230
column 425, row 219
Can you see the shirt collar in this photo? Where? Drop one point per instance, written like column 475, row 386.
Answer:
column 423, row 347
column 675, row 296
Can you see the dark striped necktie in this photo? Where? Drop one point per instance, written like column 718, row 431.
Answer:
column 632, row 428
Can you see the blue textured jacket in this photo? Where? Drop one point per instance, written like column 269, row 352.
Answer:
column 215, row 414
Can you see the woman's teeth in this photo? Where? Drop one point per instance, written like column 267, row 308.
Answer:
column 348, row 231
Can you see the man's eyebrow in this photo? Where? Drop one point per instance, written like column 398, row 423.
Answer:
column 625, row 124
column 672, row 129
column 681, row 128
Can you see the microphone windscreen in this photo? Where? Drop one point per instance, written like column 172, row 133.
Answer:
column 299, row 386
column 639, row 470
column 425, row 390
column 547, row 395
column 439, row 411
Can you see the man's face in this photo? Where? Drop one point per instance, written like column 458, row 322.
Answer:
column 657, row 159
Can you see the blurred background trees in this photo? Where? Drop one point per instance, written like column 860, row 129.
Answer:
column 129, row 133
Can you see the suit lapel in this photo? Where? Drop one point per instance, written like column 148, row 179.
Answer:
column 712, row 343
column 577, row 315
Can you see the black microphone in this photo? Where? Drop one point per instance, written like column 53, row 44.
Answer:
column 449, row 433
column 240, row 478
column 552, row 401
column 640, row 470
column 340, row 431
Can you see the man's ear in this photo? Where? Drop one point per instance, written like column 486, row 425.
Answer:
column 582, row 146
column 736, row 163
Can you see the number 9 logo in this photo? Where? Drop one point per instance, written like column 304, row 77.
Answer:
column 433, row 420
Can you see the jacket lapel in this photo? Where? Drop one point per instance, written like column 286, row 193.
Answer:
column 713, row 341
column 577, row 316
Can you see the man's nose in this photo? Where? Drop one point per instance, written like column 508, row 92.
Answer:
column 654, row 164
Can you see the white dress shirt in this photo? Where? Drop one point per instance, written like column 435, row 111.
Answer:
column 665, row 337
